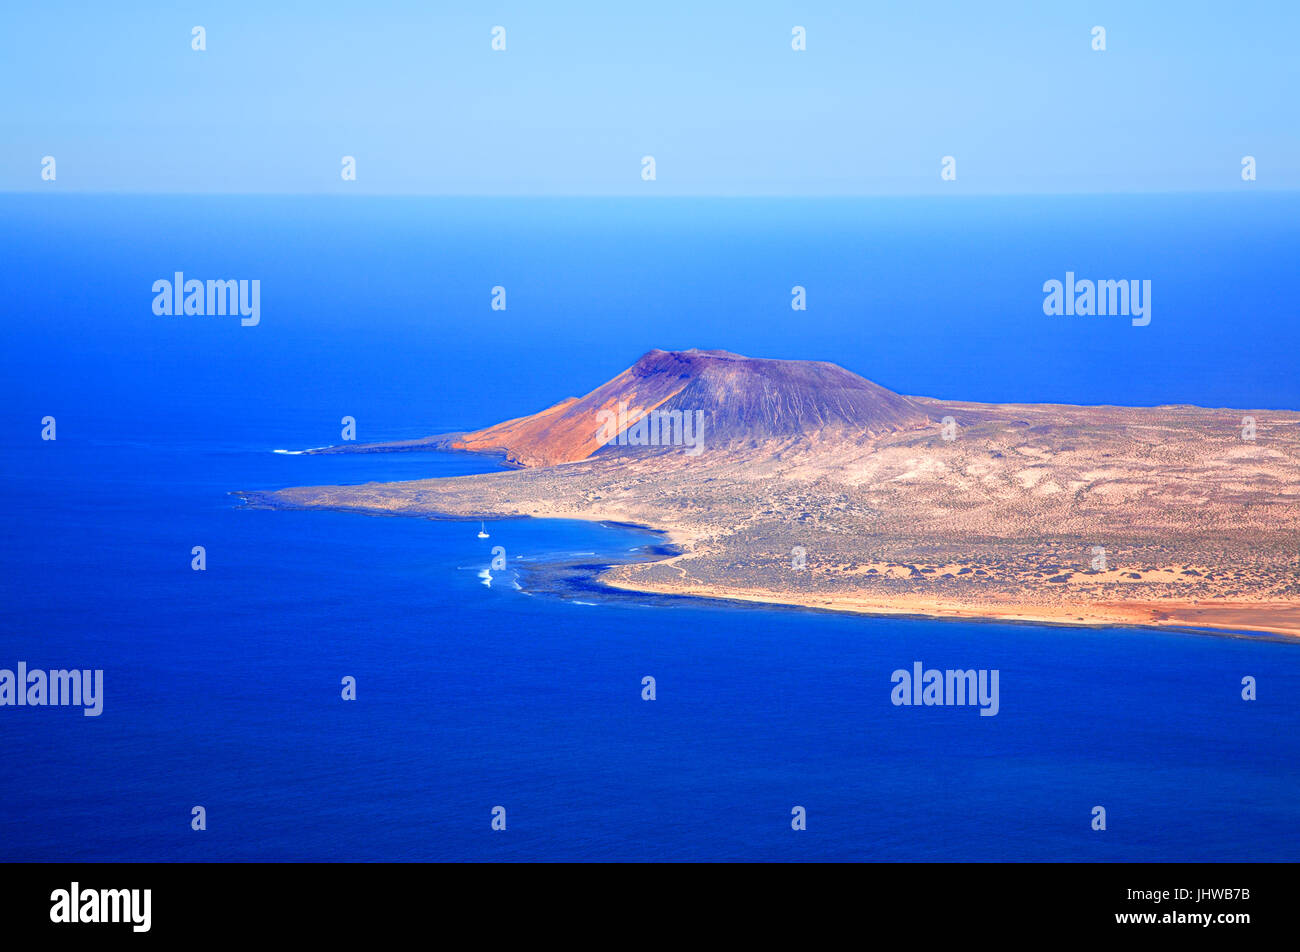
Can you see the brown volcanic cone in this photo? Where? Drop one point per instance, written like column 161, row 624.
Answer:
column 748, row 398
column 744, row 400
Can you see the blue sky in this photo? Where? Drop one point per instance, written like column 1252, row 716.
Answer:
column 414, row 91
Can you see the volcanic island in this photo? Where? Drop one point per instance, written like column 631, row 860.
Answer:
column 801, row 483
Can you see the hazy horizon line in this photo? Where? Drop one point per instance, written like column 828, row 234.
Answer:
column 1273, row 190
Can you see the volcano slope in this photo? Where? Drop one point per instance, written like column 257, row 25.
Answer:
column 815, row 487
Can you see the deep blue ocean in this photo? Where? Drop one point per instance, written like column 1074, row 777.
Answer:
column 222, row 687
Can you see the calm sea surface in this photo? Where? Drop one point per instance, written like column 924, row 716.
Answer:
column 222, row 688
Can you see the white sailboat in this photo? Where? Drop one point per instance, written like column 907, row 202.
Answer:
column 482, row 531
